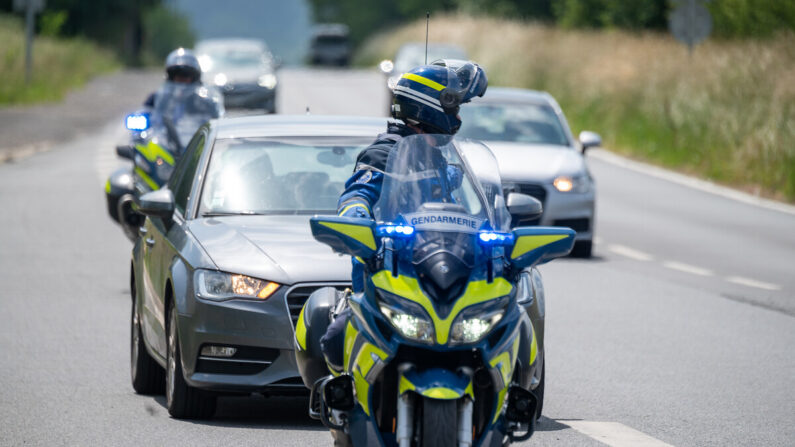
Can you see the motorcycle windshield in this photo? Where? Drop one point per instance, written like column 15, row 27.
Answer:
column 185, row 107
column 430, row 184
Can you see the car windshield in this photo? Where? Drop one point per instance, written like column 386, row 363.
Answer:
column 236, row 57
column 429, row 184
column 411, row 56
column 513, row 122
column 295, row 175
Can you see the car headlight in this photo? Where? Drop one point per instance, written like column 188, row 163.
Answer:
column 267, row 81
column 218, row 286
column 579, row 184
column 413, row 325
column 220, row 79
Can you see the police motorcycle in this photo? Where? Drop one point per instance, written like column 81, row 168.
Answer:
column 158, row 138
column 440, row 348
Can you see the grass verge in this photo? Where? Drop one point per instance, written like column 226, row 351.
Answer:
column 58, row 64
column 726, row 113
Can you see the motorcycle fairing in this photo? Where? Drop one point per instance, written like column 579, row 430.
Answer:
column 436, row 383
column 153, row 164
column 363, row 360
column 536, row 245
column 408, row 287
column 349, row 235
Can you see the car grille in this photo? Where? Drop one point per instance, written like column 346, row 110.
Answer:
column 531, row 189
column 297, row 296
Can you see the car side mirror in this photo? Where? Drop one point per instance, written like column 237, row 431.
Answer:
column 126, row 151
column 158, row 203
column 348, row 235
column 537, row 245
column 589, row 139
column 523, row 205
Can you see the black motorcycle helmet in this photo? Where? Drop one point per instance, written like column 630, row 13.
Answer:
column 182, row 63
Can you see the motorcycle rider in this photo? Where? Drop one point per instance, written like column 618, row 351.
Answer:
column 182, row 67
column 426, row 100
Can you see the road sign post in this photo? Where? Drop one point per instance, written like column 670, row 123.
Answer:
column 31, row 7
column 690, row 22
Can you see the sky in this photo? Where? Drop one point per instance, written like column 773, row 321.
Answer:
column 285, row 25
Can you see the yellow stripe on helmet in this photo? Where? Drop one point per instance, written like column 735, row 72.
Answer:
column 424, row 81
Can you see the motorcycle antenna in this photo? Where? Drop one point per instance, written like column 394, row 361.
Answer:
column 427, row 21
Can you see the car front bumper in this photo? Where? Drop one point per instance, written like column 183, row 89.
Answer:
column 261, row 332
column 567, row 209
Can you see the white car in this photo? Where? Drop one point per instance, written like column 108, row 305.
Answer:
column 538, row 156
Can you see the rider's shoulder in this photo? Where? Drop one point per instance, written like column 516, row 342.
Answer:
column 375, row 155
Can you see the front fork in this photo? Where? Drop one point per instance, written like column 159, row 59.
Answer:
column 404, row 423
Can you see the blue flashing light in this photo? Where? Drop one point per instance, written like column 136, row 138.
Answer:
column 137, row 122
column 495, row 238
column 395, row 230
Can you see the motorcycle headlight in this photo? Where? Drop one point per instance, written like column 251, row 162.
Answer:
column 579, row 184
column 219, row 286
column 412, row 324
column 473, row 324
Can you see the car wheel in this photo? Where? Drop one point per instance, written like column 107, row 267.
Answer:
column 582, row 249
column 147, row 376
column 182, row 400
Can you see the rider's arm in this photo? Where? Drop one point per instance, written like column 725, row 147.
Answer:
column 363, row 189
column 361, row 192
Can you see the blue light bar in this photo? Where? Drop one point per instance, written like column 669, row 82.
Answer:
column 137, row 121
column 395, row 230
column 495, row 238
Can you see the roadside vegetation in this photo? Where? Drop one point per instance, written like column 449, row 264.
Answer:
column 726, row 112
column 59, row 64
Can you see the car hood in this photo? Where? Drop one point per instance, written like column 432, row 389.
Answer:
column 541, row 163
column 275, row 248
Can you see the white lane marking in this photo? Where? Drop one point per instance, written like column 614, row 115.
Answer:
column 681, row 179
column 673, row 265
column 752, row 283
column 614, row 434
column 630, row 252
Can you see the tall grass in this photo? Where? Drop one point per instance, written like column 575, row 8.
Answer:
column 58, row 64
column 726, row 112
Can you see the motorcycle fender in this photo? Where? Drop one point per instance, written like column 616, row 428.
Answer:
column 436, row 383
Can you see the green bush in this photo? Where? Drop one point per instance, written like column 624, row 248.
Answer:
column 59, row 64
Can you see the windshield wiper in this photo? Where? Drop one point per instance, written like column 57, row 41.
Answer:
column 230, row 213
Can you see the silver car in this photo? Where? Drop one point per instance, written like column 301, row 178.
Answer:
column 226, row 259
column 243, row 69
column 538, row 156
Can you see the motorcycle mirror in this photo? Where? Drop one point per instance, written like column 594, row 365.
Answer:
column 126, row 151
column 348, row 235
column 537, row 245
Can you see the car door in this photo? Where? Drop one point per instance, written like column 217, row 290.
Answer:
column 159, row 251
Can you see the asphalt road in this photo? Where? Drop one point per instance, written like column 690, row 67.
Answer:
column 680, row 331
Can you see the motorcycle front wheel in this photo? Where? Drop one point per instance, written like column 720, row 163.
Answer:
column 439, row 423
